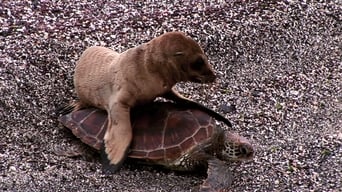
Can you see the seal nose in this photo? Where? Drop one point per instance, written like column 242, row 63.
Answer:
column 210, row 77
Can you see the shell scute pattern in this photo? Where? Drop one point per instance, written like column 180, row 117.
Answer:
column 170, row 135
column 178, row 128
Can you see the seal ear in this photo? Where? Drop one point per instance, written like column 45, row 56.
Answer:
column 159, row 60
column 162, row 50
column 152, row 56
column 154, row 62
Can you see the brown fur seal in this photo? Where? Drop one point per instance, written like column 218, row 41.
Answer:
column 118, row 81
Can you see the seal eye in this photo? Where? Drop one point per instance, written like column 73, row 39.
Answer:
column 179, row 53
column 198, row 64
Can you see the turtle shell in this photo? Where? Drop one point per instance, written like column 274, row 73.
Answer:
column 161, row 130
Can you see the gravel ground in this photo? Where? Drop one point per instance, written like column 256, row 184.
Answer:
column 278, row 63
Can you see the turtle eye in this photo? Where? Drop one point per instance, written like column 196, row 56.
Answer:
column 198, row 64
column 246, row 151
column 243, row 151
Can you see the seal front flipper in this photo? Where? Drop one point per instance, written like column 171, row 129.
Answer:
column 107, row 167
column 178, row 98
column 114, row 152
column 117, row 138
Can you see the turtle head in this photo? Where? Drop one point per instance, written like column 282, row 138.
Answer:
column 236, row 148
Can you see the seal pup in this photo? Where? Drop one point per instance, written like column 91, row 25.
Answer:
column 118, row 81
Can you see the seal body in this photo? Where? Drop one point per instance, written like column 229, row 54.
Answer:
column 118, row 81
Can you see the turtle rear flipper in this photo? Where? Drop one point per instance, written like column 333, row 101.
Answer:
column 219, row 177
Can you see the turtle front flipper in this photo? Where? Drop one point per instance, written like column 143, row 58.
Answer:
column 219, row 177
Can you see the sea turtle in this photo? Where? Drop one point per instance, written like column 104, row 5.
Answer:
column 171, row 135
